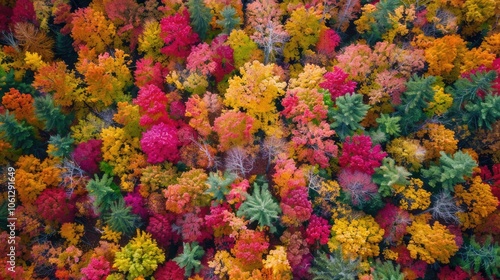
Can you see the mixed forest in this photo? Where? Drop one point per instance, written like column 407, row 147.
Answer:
column 206, row 139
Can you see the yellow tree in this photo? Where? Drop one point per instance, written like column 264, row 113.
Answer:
column 478, row 200
column 255, row 92
column 431, row 243
column 304, row 27
column 357, row 237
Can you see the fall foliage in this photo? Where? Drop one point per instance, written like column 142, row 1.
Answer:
column 263, row 139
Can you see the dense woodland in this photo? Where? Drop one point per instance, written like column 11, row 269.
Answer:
column 205, row 139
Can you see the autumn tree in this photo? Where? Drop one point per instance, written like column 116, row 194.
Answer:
column 264, row 17
column 304, row 27
column 177, row 35
column 56, row 79
column 107, row 78
column 261, row 86
column 234, row 128
column 342, row 12
column 431, row 243
column 444, row 56
column 92, row 29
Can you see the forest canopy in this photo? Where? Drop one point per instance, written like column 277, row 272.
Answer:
column 203, row 139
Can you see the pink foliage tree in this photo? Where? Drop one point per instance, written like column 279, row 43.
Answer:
column 153, row 104
column 359, row 154
column 296, row 207
column 97, row 269
column 313, row 144
column 178, row 35
column 237, row 193
column 387, row 83
column 337, row 83
column 215, row 59
column 161, row 143
column 177, row 110
column 287, row 176
column 149, row 72
column 304, row 105
column 216, row 218
column 317, row 231
column 200, row 59
column 358, row 186
column 355, row 60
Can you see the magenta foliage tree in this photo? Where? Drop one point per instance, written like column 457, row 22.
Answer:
column 296, row 206
column 161, row 143
column 216, row 219
column 178, row 35
column 88, row 155
column 313, row 144
column 153, row 104
column 337, row 84
column 359, row 154
column 223, row 58
column 135, row 201
column 318, row 230
column 177, row 109
column 97, row 269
